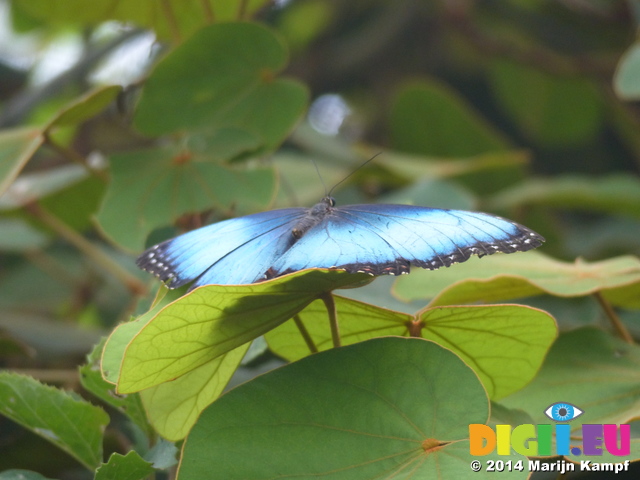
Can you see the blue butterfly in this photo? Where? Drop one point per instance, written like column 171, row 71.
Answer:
column 374, row 239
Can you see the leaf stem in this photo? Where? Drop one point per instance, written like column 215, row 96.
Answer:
column 74, row 157
column 327, row 298
column 89, row 249
column 171, row 20
column 614, row 318
column 305, row 334
column 208, row 11
column 51, row 267
column 242, row 10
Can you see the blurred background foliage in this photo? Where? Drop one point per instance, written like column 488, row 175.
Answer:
column 117, row 132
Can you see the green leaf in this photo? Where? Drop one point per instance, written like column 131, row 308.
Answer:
column 517, row 337
column 590, row 369
column 156, row 186
column 429, row 118
column 85, row 107
column 116, row 344
column 303, row 22
column 390, row 407
column 124, row 467
column 224, row 76
column 21, row 475
column 504, row 277
column 215, row 319
column 16, row 235
column 76, row 204
column 226, row 143
column 92, row 381
column 70, row 423
column 617, row 194
column 504, row 344
column 171, row 18
column 34, row 186
column 626, row 80
column 552, row 110
column 16, row 148
column 173, row 407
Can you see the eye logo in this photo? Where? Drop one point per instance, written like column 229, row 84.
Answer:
column 563, row 412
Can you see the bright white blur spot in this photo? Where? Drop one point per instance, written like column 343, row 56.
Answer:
column 128, row 63
column 327, row 114
column 16, row 50
column 57, row 57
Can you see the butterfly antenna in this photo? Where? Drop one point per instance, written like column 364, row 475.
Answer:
column 345, row 178
column 320, row 177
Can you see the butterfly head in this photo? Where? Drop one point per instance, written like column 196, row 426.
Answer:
column 314, row 216
column 330, row 201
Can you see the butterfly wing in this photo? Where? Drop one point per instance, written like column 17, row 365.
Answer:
column 385, row 239
column 234, row 251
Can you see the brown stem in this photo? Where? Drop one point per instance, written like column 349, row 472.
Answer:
column 74, row 157
column 242, row 10
column 305, row 334
column 51, row 267
column 327, row 298
column 171, row 20
column 208, row 11
column 88, row 248
column 614, row 318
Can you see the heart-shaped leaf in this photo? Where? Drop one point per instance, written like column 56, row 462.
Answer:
column 210, row 321
column 156, row 186
column 504, row 344
column 384, row 408
column 224, row 76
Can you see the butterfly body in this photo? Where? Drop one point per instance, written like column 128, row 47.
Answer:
column 314, row 216
column 374, row 239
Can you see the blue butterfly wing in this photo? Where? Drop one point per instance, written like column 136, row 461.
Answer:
column 386, row 239
column 235, row 251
